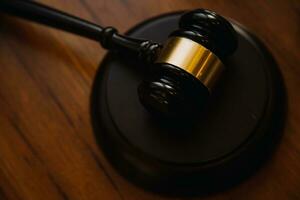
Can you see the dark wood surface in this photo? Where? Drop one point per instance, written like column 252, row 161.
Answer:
column 47, row 148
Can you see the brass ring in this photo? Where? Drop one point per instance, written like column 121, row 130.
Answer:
column 193, row 58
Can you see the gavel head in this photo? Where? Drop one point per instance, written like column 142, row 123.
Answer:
column 189, row 65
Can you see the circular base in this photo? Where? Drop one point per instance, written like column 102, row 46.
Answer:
column 223, row 145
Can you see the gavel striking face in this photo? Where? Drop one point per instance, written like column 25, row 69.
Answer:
column 183, row 72
column 189, row 65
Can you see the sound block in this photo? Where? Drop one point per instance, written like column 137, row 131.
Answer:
column 223, row 145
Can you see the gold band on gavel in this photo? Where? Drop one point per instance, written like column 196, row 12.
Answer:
column 193, row 58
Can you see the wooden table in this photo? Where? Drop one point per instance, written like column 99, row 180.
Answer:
column 47, row 148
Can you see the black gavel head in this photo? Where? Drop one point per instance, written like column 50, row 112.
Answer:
column 189, row 65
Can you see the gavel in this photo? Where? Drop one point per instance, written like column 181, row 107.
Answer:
column 183, row 71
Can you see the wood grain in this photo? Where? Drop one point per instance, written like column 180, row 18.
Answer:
column 47, row 148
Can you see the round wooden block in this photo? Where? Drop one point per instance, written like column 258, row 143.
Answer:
column 223, row 145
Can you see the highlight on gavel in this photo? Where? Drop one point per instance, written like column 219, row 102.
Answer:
column 183, row 71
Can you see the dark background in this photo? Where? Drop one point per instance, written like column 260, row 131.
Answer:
column 47, row 148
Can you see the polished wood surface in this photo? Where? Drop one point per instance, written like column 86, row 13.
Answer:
column 47, row 148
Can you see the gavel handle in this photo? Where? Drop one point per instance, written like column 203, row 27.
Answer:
column 108, row 37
